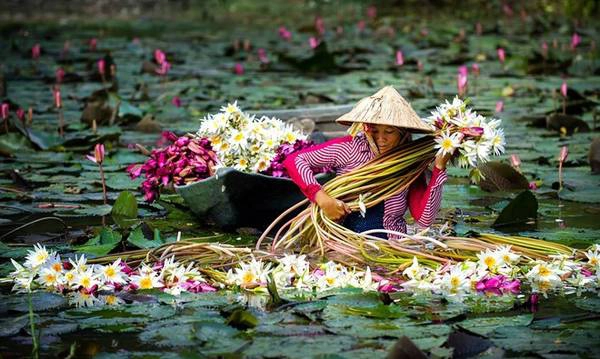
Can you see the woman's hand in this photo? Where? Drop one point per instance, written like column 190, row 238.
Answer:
column 442, row 160
column 333, row 208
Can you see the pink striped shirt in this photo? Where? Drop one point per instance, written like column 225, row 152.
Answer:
column 347, row 153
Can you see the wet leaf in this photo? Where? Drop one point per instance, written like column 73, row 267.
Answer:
column 521, row 209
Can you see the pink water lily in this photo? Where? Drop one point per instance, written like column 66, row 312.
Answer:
column 499, row 106
column 475, row 68
column 532, row 185
column 21, row 114
column 501, row 55
column 93, row 43
column 320, row 26
column 159, row 56
column 515, row 161
column 60, row 75
column 462, row 80
column 564, row 89
column 284, row 33
column 544, row 49
column 361, row 25
column 238, row 69
column 164, row 68
column 98, row 156
column 564, row 153
column 176, row 101
column 101, row 67
column 313, row 42
column 4, row 109
column 262, row 56
column 36, row 51
column 372, row 12
column 57, row 97
column 399, row 58
column 472, row 131
column 575, row 40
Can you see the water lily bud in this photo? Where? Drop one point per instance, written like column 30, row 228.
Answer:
column 361, row 25
column 463, row 70
column 372, row 12
column 564, row 152
column 36, row 51
column 564, row 89
column 320, row 26
column 313, row 42
column 475, row 68
column 60, row 75
column 101, row 67
column 29, row 116
column 238, row 69
column 94, row 126
column 159, row 56
column 176, row 101
column 21, row 115
column 544, row 49
column 93, row 42
column 4, row 110
column 284, row 33
column 57, row 97
column 262, row 56
column 499, row 106
column 99, row 153
column 575, row 40
column 501, row 55
column 165, row 66
column 399, row 58
column 515, row 161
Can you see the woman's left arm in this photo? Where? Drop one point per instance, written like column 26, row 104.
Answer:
column 424, row 200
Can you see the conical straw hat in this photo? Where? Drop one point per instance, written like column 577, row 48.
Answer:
column 386, row 107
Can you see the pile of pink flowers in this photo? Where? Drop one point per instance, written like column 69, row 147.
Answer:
column 186, row 160
column 276, row 168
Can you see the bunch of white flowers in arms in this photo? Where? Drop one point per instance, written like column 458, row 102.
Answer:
column 461, row 129
column 245, row 142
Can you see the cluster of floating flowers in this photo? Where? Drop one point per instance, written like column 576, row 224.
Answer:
column 94, row 284
column 502, row 271
column 498, row 272
column 461, row 129
column 245, row 142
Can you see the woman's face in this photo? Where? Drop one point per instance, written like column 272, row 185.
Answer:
column 386, row 137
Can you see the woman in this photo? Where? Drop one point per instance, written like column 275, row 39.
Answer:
column 387, row 121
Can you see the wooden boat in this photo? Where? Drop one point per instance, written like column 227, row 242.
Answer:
column 233, row 199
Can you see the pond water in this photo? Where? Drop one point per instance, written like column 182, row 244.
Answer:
column 44, row 175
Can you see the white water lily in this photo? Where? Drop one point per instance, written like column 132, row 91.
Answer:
column 361, row 205
column 454, row 282
column 593, row 258
column 22, row 277
column 79, row 264
column 254, row 273
column 81, row 298
column 542, row 271
column 507, row 255
column 112, row 272
column 37, row 257
column 87, row 279
column 490, row 260
column 447, row 143
column 415, row 271
column 146, row 280
column 50, row 278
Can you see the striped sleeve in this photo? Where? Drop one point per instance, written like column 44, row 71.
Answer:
column 393, row 214
column 424, row 201
column 301, row 165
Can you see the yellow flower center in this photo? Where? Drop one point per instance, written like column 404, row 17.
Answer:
column 593, row 261
column 330, row 280
column 454, row 281
column 248, row 277
column 57, row 267
column 544, row 271
column 238, row 137
column 50, row 278
column 489, row 262
column 111, row 300
column 447, row 144
column 85, row 282
column 110, row 272
column 146, row 283
column 41, row 257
